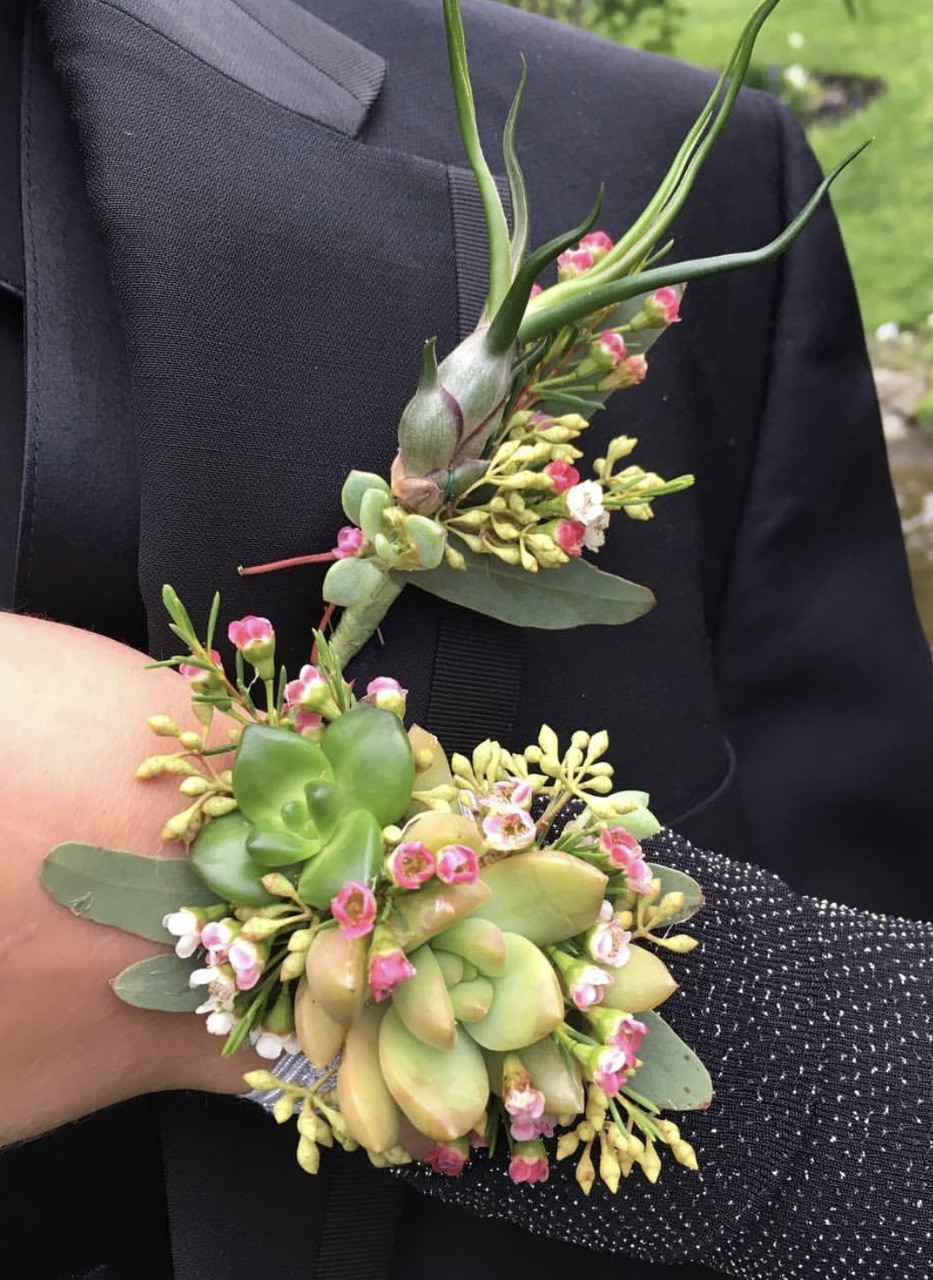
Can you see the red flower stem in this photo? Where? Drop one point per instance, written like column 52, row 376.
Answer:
column 322, row 557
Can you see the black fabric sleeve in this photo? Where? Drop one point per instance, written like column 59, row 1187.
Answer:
column 817, row 1024
column 824, row 679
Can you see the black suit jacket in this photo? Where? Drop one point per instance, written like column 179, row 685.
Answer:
column 240, row 220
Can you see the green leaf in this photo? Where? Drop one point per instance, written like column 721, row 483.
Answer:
column 272, row 767
column 575, row 594
column 500, row 256
column 212, row 621
column 372, row 761
column 161, row 982
column 184, row 627
column 671, row 1075
column 352, row 582
column 676, row 882
column 130, row 892
column 517, row 193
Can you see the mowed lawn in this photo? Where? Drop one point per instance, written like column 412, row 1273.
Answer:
column 884, row 201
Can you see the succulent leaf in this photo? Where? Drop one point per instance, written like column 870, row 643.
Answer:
column 221, row 859
column 545, row 895
column 423, row 1003
column 443, row 1092
column 478, row 941
column 517, row 1018
column 371, row 1113
column 642, row 983
column 320, row 1036
column 336, row 972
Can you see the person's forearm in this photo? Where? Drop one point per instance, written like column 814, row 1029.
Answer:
column 73, row 731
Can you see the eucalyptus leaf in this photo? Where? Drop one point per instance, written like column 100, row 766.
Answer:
column 573, row 595
column 161, row 982
column 671, row 1075
column 673, row 881
column 126, row 890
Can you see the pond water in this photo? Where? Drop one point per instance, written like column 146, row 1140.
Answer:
column 912, row 472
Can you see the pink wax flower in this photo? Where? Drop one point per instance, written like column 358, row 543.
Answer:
column 255, row 639
column 410, row 864
column 216, row 937
column 627, row 1037
column 623, row 853
column 449, row 1158
column 597, row 243
column 535, row 290
column 569, row 535
column 509, row 829
column 457, row 864
column 609, row 349
column 246, row 959
column 203, row 681
column 632, row 371
column 308, row 723
column 311, row 692
column 663, row 307
column 512, row 791
column 586, row 983
column 529, row 1162
column 607, row 942
column 350, row 542
column 523, row 1102
column 354, row 909
column 573, row 262
column 388, row 969
column 387, row 694
column 561, row 475
column 607, row 1065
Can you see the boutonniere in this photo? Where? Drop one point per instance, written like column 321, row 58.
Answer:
column 490, row 504
column 468, row 950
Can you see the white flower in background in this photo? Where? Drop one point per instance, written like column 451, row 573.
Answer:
column 796, row 76
column 888, row 332
column 796, row 40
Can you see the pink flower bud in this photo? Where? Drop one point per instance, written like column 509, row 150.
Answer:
column 247, row 960
column 561, row 475
column 457, row 864
column 449, row 1158
column 354, row 909
column 573, row 262
column 311, row 692
column 586, row 984
column 216, row 937
column 632, row 371
column 255, row 639
column 535, row 290
column 569, row 535
column 387, row 970
column 663, row 308
column 529, row 1162
column 607, row 1066
column 350, row 542
column 609, row 349
column 203, row 681
column 509, row 829
column 387, row 694
column 597, row 243
column 623, row 853
column 410, row 864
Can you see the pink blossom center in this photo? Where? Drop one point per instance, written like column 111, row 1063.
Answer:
column 457, row 864
column 354, row 909
column 410, row 864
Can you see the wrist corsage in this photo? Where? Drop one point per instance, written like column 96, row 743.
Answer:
column 465, row 951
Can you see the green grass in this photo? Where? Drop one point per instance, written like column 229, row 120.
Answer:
column 885, row 200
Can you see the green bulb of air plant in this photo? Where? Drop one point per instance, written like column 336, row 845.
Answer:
column 445, row 427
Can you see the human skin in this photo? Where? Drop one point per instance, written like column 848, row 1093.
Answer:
column 73, row 732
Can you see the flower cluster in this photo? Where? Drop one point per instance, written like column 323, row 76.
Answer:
column 458, row 946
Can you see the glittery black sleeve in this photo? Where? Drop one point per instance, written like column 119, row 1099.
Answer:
column 816, row 1022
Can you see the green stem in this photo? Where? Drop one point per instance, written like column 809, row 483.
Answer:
column 359, row 622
